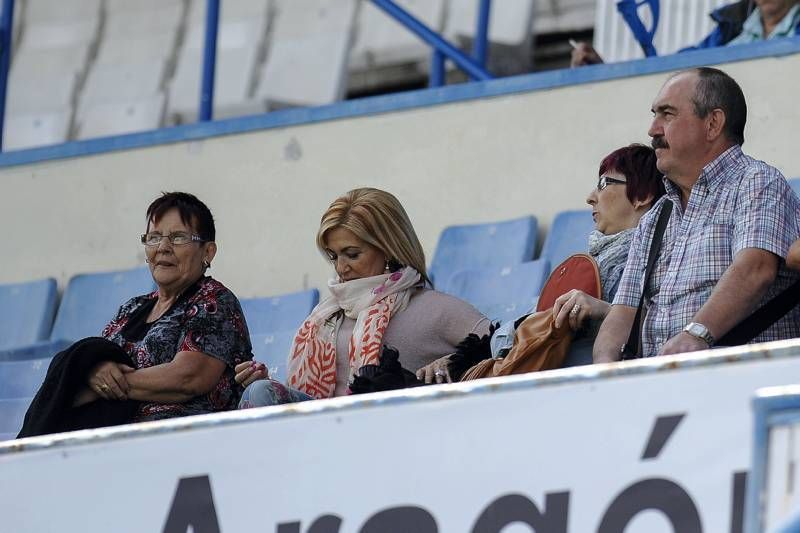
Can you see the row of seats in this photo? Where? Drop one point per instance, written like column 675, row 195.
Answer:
column 103, row 67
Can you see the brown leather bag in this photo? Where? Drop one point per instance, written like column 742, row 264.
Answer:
column 538, row 344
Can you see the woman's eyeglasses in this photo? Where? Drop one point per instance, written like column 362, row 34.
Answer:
column 605, row 181
column 177, row 238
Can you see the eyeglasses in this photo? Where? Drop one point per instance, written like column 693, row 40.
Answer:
column 605, row 181
column 177, row 238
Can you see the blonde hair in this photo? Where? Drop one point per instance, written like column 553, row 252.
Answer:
column 378, row 218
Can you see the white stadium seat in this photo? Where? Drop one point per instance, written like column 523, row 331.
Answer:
column 382, row 41
column 32, row 63
column 231, row 34
column 137, row 49
column 509, row 23
column 59, row 34
column 232, row 83
column 121, row 117
column 307, row 59
column 39, row 94
column 37, row 11
column 122, row 83
column 238, row 9
column 139, row 5
column 36, row 129
column 144, row 22
column 305, row 71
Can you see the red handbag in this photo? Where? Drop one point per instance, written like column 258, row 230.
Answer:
column 578, row 271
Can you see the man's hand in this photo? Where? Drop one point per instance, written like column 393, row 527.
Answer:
column 683, row 343
column 584, row 54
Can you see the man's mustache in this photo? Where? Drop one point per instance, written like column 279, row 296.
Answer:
column 659, row 142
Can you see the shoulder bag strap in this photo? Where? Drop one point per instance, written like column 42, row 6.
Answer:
column 630, row 350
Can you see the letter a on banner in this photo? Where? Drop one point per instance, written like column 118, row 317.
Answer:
column 192, row 505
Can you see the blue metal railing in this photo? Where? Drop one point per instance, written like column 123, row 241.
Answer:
column 6, row 33
column 473, row 67
column 443, row 50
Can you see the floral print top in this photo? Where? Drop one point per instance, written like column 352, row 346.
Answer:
column 206, row 318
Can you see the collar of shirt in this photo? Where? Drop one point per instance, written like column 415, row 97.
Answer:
column 712, row 175
column 753, row 29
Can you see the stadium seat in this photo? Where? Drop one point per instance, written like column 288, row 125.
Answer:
column 123, row 82
column 59, row 34
column 91, row 301
column 37, row 350
column 795, row 184
column 37, row 94
column 139, row 5
column 238, row 47
column 272, row 349
column 37, row 11
column 120, row 118
column 12, row 414
column 501, row 293
column 33, row 64
column 307, row 59
column 276, row 313
column 237, row 10
column 509, row 23
column 157, row 20
column 22, row 379
column 36, row 129
column 382, row 41
column 568, row 235
column 137, row 49
column 26, row 312
column 477, row 246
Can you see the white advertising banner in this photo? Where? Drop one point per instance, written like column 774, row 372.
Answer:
column 652, row 446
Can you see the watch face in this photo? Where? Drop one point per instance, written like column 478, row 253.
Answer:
column 696, row 330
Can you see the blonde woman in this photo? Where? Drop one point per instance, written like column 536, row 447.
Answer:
column 381, row 295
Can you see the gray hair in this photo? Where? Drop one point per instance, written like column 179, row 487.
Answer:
column 717, row 90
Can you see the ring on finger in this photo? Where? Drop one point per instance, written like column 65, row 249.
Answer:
column 575, row 310
column 439, row 373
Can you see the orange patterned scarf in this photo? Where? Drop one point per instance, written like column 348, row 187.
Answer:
column 371, row 302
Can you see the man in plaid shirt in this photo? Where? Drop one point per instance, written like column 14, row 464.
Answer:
column 733, row 221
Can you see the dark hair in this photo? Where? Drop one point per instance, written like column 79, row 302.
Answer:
column 193, row 212
column 637, row 163
column 717, row 90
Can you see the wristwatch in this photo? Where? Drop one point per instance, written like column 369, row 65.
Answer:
column 700, row 331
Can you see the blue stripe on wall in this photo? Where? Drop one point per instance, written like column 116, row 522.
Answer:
column 405, row 100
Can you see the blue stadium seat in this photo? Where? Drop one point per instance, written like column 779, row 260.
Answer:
column 568, row 235
column 501, row 293
column 494, row 244
column 12, row 414
column 277, row 313
column 37, row 350
column 795, row 183
column 22, row 379
column 91, row 301
column 272, row 349
column 26, row 312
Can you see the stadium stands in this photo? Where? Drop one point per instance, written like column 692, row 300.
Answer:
column 568, row 235
column 26, row 312
column 272, row 349
column 70, row 63
column 276, row 313
column 12, row 414
column 90, row 301
column 501, row 294
column 476, row 246
column 22, row 379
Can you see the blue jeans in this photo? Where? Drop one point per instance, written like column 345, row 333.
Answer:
column 266, row 392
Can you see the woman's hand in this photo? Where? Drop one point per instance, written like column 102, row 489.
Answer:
column 436, row 372
column 107, row 379
column 577, row 307
column 250, row 371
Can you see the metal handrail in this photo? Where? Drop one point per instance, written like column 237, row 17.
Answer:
column 206, row 111
column 6, row 33
column 443, row 49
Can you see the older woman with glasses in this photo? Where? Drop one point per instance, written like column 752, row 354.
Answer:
column 166, row 354
column 628, row 184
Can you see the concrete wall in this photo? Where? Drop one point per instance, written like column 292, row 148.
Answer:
column 535, row 151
